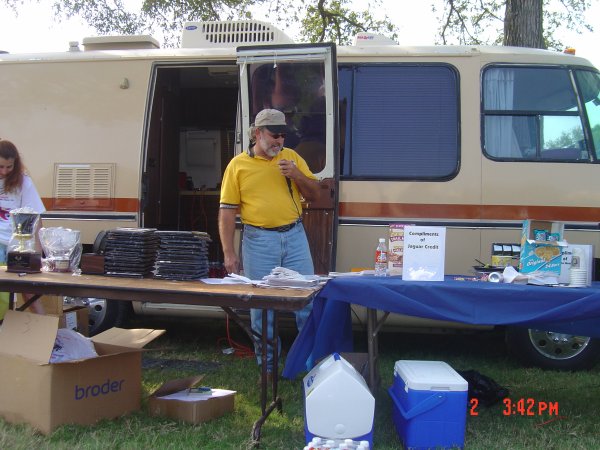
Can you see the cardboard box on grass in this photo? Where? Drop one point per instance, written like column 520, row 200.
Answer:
column 75, row 318
column 541, row 256
column 174, row 400
column 81, row 392
column 52, row 304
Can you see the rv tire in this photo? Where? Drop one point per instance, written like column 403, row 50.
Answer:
column 551, row 350
column 105, row 314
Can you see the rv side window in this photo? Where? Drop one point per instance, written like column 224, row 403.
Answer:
column 531, row 114
column 399, row 121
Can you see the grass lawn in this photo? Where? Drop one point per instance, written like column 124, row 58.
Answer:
column 192, row 347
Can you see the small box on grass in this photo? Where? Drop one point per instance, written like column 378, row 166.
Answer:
column 80, row 392
column 541, row 247
column 429, row 404
column 178, row 399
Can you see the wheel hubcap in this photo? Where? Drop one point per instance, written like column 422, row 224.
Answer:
column 558, row 345
column 96, row 311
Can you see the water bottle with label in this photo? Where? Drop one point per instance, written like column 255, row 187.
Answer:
column 381, row 259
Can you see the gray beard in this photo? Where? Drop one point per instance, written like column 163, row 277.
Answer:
column 271, row 152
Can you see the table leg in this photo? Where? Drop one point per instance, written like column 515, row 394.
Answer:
column 373, row 327
column 264, row 339
column 275, row 400
column 372, row 348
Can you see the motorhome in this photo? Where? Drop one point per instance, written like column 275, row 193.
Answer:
column 118, row 132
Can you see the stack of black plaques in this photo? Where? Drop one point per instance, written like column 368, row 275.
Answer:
column 130, row 252
column 182, row 255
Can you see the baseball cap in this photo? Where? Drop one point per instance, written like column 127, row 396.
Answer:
column 272, row 119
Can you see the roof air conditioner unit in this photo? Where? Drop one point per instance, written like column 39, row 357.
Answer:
column 231, row 34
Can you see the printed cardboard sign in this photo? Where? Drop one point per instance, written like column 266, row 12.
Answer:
column 424, row 253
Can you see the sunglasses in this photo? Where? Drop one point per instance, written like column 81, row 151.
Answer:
column 276, row 135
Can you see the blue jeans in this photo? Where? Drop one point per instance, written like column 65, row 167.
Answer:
column 262, row 251
column 3, row 250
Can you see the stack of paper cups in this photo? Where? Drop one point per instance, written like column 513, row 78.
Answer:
column 577, row 277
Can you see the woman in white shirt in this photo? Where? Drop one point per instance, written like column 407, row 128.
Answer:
column 16, row 191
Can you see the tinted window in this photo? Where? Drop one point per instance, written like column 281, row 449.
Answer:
column 531, row 114
column 589, row 85
column 296, row 89
column 399, row 121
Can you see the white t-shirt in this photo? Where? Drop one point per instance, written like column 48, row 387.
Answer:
column 27, row 196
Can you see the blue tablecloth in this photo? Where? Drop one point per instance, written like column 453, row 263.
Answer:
column 329, row 327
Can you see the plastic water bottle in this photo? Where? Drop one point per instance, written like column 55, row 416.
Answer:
column 381, row 259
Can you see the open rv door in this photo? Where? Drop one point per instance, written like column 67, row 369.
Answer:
column 301, row 81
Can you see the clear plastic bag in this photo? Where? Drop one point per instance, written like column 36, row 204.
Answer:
column 23, row 222
column 62, row 248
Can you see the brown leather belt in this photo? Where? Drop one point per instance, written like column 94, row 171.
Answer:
column 283, row 228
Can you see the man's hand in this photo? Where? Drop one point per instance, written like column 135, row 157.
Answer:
column 288, row 169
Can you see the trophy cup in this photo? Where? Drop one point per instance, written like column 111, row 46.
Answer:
column 62, row 247
column 23, row 253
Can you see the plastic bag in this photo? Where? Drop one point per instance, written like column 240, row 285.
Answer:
column 62, row 247
column 70, row 345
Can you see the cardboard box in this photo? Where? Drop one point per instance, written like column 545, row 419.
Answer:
column 175, row 400
column 76, row 392
column 588, row 262
column 537, row 255
column 429, row 404
column 52, row 304
column 396, row 249
column 74, row 318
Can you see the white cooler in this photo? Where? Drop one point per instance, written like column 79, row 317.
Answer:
column 337, row 402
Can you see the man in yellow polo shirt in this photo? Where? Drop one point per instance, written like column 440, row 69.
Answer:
column 265, row 184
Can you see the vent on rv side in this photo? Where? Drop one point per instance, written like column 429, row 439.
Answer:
column 231, row 34
column 84, row 186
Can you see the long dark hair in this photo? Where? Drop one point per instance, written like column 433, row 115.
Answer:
column 14, row 180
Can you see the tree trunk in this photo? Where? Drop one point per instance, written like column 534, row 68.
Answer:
column 523, row 23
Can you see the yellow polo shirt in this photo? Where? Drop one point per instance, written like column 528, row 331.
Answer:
column 260, row 190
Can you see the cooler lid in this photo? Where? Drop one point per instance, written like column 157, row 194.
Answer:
column 429, row 376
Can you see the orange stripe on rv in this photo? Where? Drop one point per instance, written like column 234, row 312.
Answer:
column 466, row 212
column 92, row 204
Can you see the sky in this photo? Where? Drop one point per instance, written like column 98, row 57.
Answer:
column 34, row 29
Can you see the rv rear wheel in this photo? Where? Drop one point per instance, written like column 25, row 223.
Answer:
column 551, row 350
column 105, row 314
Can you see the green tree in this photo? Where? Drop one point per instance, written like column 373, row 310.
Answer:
column 320, row 20
column 525, row 23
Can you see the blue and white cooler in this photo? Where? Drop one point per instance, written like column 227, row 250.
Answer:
column 429, row 404
column 337, row 402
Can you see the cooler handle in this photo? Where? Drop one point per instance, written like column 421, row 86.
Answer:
column 424, row 406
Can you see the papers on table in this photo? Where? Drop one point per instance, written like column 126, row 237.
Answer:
column 511, row 275
column 279, row 277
